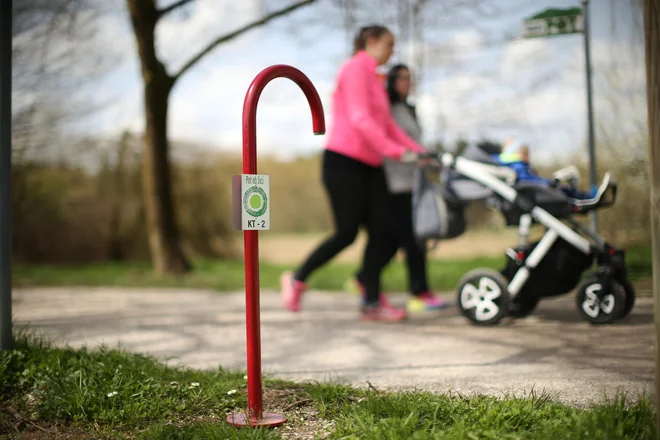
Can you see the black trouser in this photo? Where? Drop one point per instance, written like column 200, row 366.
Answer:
column 358, row 196
column 401, row 206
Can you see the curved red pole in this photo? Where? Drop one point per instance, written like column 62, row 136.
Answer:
column 251, row 243
column 252, row 99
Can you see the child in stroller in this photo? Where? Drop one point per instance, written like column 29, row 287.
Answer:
column 552, row 266
column 515, row 155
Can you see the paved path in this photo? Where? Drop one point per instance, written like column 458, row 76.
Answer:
column 553, row 350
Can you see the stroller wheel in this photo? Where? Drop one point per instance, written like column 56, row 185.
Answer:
column 483, row 296
column 599, row 310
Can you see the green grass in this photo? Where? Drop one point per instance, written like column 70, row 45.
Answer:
column 640, row 262
column 229, row 275
column 113, row 389
column 423, row 415
column 114, row 394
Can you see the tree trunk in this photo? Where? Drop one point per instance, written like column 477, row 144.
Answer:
column 166, row 253
column 162, row 228
column 652, row 37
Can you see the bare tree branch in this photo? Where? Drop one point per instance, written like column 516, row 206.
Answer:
column 166, row 10
column 238, row 32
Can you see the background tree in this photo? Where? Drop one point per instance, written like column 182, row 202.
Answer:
column 57, row 54
column 413, row 21
column 162, row 229
column 652, row 38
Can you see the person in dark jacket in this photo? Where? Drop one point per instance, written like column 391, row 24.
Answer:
column 399, row 177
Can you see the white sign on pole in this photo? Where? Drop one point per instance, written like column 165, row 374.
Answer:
column 535, row 28
column 251, row 202
column 554, row 22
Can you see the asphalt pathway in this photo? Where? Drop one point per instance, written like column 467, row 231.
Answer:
column 553, row 350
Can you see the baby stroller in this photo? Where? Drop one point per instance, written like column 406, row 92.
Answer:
column 552, row 266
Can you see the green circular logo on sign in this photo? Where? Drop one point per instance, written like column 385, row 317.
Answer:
column 255, row 201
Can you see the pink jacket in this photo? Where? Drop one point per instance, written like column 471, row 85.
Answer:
column 362, row 125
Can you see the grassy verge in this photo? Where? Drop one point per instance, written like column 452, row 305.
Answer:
column 48, row 392
column 228, row 275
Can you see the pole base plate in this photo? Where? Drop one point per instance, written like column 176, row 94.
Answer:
column 267, row 419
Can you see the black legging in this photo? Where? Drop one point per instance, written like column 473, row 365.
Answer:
column 358, row 196
column 401, row 215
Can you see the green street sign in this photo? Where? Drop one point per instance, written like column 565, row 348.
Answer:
column 553, row 22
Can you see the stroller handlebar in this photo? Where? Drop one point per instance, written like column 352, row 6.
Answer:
column 445, row 159
column 412, row 157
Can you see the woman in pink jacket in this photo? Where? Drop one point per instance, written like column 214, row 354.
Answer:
column 362, row 134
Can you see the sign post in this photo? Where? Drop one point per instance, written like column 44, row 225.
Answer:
column 553, row 22
column 251, row 197
column 251, row 213
column 5, row 175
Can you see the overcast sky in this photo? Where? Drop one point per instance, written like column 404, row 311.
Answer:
column 534, row 89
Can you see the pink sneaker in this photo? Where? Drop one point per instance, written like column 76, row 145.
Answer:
column 384, row 301
column 383, row 313
column 291, row 292
column 425, row 302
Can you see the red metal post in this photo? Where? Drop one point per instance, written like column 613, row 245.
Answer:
column 255, row 416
